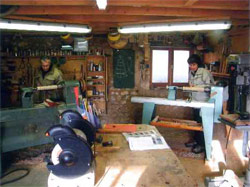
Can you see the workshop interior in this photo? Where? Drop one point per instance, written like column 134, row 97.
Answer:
column 102, row 93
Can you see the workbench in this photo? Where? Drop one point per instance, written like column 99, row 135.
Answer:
column 119, row 166
column 233, row 120
column 209, row 113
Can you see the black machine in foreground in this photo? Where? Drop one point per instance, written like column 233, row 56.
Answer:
column 72, row 159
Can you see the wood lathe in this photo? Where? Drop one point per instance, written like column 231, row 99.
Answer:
column 210, row 110
column 25, row 126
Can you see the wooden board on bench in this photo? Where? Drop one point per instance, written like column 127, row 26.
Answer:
column 235, row 119
column 176, row 123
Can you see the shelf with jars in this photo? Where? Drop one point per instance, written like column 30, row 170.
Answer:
column 96, row 80
column 68, row 57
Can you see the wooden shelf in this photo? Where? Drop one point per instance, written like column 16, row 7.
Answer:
column 69, row 57
column 95, row 80
column 94, row 57
column 96, row 85
column 96, row 62
column 74, row 57
column 95, row 73
column 95, row 95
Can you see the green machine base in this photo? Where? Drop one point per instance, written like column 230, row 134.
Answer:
column 26, row 127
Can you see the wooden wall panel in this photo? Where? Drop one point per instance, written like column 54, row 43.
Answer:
column 240, row 40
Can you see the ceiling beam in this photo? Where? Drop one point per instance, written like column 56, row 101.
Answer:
column 41, row 19
column 190, row 2
column 48, row 2
column 240, row 22
column 202, row 4
column 153, row 11
column 66, row 20
column 106, row 18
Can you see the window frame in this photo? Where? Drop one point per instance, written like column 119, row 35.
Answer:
column 170, row 66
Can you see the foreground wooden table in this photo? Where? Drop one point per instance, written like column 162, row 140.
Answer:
column 119, row 166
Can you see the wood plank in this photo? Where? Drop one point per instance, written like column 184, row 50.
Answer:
column 192, row 122
column 207, row 4
column 117, row 128
column 48, row 2
column 223, row 4
column 190, row 2
column 42, row 19
column 202, row 4
column 176, row 125
column 234, row 118
column 152, row 11
column 123, row 167
column 237, row 22
column 106, row 18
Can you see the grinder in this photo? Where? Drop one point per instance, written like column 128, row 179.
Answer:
column 72, row 160
column 73, row 119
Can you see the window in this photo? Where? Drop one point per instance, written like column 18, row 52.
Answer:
column 180, row 71
column 160, row 66
column 169, row 66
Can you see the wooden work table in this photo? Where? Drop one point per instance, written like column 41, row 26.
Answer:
column 209, row 112
column 234, row 121
column 119, row 166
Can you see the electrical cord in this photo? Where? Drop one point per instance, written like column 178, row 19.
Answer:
column 16, row 179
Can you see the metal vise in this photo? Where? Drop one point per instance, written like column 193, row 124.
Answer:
column 68, row 92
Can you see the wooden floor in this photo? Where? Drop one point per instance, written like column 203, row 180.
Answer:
column 222, row 158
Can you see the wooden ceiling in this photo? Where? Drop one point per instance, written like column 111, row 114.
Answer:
column 123, row 12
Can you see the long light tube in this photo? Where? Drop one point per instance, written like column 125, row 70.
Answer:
column 43, row 26
column 170, row 27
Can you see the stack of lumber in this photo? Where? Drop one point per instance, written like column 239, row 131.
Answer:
column 176, row 123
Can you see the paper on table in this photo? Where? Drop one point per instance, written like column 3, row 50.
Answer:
column 147, row 143
column 149, row 133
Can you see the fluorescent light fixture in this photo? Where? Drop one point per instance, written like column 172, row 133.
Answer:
column 170, row 27
column 101, row 4
column 43, row 26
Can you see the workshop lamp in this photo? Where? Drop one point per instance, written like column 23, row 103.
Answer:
column 43, row 26
column 170, row 27
column 101, row 4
